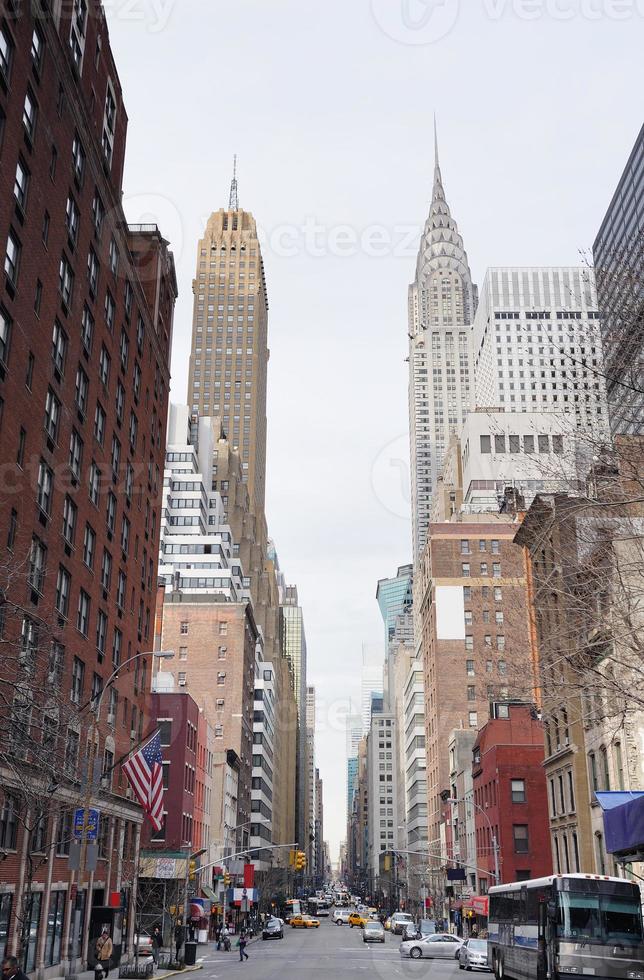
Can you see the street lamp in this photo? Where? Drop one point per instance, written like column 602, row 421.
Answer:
column 495, row 845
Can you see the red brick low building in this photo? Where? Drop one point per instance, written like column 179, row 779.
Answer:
column 510, row 789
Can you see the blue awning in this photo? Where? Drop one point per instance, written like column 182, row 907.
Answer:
column 623, row 823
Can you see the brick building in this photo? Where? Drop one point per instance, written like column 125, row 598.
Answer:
column 85, row 331
column 470, row 604
column 510, row 788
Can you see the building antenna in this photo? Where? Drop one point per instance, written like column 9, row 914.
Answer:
column 233, row 203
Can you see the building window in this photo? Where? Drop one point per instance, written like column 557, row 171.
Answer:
column 473, row 719
column 518, row 790
column 469, row 666
column 471, row 692
column 520, row 836
column 486, row 445
column 12, row 258
column 592, row 771
column 78, row 677
column 465, row 570
column 465, row 547
column 184, row 629
column 45, row 488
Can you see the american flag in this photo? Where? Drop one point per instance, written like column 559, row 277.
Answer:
column 144, row 770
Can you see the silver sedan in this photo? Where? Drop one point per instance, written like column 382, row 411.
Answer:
column 441, row 945
column 473, row 955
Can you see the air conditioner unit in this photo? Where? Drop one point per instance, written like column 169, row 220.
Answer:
column 567, row 741
column 133, row 733
column 110, row 719
column 128, row 792
column 182, row 682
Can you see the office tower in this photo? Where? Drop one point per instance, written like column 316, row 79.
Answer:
column 352, row 772
column 353, row 734
column 442, row 303
column 537, row 346
column 372, row 683
column 229, row 358
column 618, row 255
column 311, row 804
column 395, row 596
column 293, row 647
column 86, row 322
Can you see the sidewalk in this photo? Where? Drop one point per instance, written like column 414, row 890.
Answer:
column 158, row 974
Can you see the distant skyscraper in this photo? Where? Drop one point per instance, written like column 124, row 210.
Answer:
column 354, row 734
column 293, row 646
column 618, row 256
column 372, row 683
column 394, row 597
column 538, row 347
column 229, row 358
column 442, row 303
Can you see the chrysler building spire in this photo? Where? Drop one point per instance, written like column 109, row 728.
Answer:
column 442, row 304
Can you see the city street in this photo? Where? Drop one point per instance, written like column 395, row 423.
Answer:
column 331, row 952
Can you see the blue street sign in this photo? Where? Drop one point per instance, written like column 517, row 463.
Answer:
column 93, row 819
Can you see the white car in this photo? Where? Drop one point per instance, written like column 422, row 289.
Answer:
column 341, row 917
column 441, row 945
column 473, row 955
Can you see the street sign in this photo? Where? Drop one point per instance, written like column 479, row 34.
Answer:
column 93, row 818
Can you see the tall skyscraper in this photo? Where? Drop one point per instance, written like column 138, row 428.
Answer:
column 537, row 345
column 229, row 358
column 442, row 303
column 618, row 255
column 293, row 646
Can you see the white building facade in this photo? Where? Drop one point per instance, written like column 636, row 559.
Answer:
column 442, row 304
column 537, row 345
column 383, row 789
column 261, row 794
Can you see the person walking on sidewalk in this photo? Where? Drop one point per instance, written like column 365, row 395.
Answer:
column 157, row 943
column 104, row 951
column 242, row 947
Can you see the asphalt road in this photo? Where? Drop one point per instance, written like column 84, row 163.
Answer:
column 328, row 953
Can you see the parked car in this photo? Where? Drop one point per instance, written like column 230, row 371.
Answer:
column 473, row 955
column 357, row 919
column 341, row 917
column 398, row 922
column 441, row 945
column 373, row 932
column 273, row 929
column 143, row 944
column 304, row 922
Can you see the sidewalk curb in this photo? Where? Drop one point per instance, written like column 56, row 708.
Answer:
column 176, row 973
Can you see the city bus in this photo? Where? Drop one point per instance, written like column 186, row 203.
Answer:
column 566, row 925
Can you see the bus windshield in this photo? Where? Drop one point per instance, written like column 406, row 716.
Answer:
column 599, row 918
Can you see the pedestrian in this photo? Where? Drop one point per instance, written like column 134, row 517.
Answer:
column 242, row 947
column 157, row 943
column 218, row 935
column 179, row 936
column 103, row 951
column 225, row 938
column 11, row 970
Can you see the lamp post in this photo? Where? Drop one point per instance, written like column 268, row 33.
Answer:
column 495, row 844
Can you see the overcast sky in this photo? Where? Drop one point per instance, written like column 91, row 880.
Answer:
column 329, row 107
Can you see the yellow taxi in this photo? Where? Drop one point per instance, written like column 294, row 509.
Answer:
column 304, row 922
column 356, row 919
column 388, row 924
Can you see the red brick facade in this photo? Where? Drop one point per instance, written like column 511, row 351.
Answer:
column 86, row 310
column 510, row 788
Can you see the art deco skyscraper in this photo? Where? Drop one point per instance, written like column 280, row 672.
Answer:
column 229, row 358
column 442, row 303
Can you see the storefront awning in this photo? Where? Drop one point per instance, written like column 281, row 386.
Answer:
column 623, row 824
column 208, row 893
column 478, row 904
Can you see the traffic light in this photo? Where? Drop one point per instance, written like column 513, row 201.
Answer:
column 226, row 879
column 300, row 860
column 192, row 869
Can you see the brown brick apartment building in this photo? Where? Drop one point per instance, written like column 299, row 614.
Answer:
column 86, row 310
column 475, row 638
